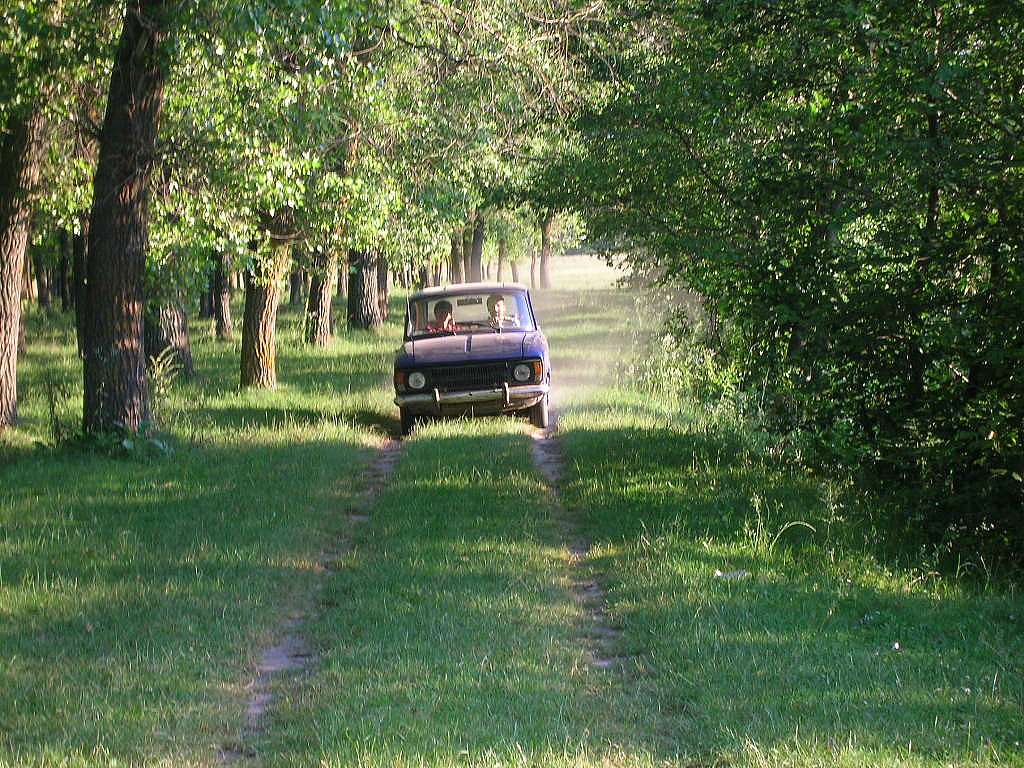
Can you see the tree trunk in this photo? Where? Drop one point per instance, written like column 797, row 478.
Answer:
column 79, row 246
column 259, row 330
column 467, row 253
column 115, row 366
column 455, row 260
column 295, row 294
column 167, row 328
column 533, row 269
column 67, row 299
column 478, row 247
column 42, row 277
column 545, row 250
column 22, row 342
column 222, row 296
column 383, row 287
column 343, row 276
column 438, row 273
column 364, row 307
column 515, row 270
column 502, row 258
column 21, row 150
column 206, row 298
column 319, row 318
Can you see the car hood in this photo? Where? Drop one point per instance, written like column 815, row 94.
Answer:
column 465, row 348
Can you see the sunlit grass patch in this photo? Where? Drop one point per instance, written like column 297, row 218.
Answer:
column 766, row 630
column 448, row 635
column 136, row 593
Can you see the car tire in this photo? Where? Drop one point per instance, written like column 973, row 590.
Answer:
column 408, row 422
column 539, row 414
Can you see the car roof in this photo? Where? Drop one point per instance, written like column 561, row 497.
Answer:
column 458, row 289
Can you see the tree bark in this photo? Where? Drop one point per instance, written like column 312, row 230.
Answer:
column 259, row 329
column 79, row 246
column 546, row 226
column 21, row 150
column 515, row 270
column 167, row 328
column 343, row 276
column 28, row 282
column 383, row 287
column 319, row 317
column 67, row 299
column 364, row 306
column 115, row 366
column 222, row 296
column 295, row 293
column 478, row 247
column 42, row 278
column 467, row 252
column 206, row 298
column 502, row 258
column 455, row 260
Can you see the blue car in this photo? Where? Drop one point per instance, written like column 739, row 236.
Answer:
column 474, row 349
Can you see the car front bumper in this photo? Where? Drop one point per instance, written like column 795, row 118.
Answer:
column 478, row 401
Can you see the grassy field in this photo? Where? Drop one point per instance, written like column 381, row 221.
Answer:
column 760, row 625
column 759, row 630
column 135, row 592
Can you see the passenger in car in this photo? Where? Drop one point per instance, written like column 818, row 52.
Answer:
column 444, row 320
column 496, row 309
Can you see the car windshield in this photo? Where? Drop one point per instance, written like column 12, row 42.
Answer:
column 484, row 312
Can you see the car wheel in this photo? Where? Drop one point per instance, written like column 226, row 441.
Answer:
column 539, row 413
column 408, row 422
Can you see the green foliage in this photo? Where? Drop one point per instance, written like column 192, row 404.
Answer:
column 836, row 181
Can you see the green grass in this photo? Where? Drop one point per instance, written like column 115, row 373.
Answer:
column 137, row 593
column 823, row 655
column 448, row 636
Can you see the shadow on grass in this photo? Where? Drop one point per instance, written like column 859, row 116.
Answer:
column 753, row 638
column 130, row 604
column 447, row 636
column 270, row 417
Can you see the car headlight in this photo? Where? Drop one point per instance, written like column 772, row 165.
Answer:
column 522, row 372
column 417, row 380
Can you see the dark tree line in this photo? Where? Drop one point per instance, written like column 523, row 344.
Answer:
column 841, row 184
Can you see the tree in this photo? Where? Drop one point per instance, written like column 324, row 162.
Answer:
column 115, row 393
column 477, row 248
column 365, row 308
column 455, row 259
column 319, row 319
column 26, row 74
column 222, row 295
column 20, row 152
column 263, row 281
column 838, row 182
column 546, row 224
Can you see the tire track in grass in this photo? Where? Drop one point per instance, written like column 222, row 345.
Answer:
column 292, row 653
column 449, row 634
column 599, row 636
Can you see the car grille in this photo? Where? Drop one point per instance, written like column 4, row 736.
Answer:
column 452, row 378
